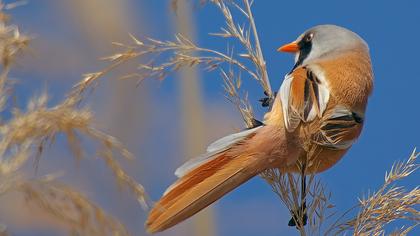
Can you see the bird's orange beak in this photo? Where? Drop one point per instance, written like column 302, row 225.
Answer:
column 292, row 47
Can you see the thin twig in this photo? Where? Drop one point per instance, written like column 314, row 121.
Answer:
column 261, row 61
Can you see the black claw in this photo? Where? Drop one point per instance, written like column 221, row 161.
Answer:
column 301, row 212
column 267, row 101
column 292, row 221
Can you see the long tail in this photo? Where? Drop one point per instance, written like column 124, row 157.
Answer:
column 204, row 180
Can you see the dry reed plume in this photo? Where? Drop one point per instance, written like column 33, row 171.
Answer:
column 68, row 206
column 27, row 132
column 390, row 203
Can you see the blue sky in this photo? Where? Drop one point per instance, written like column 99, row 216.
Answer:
column 391, row 130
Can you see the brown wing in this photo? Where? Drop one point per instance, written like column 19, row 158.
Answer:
column 304, row 96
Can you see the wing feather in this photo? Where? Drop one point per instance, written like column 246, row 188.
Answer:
column 213, row 149
column 339, row 129
column 304, row 96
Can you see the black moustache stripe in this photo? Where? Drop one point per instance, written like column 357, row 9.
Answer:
column 305, row 49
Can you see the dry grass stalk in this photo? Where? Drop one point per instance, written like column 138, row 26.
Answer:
column 243, row 35
column 289, row 189
column 232, row 85
column 12, row 42
column 69, row 207
column 27, row 132
column 40, row 124
column 388, row 204
column 183, row 52
column 403, row 231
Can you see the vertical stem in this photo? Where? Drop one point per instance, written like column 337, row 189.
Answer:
column 265, row 80
column 203, row 224
column 303, row 184
column 302, row 210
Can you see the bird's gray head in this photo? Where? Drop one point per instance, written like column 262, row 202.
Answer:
column 323, row 41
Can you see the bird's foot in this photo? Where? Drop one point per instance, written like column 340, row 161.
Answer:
column 299, row 217
column 268, row 100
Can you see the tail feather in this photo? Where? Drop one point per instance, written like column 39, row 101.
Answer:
column 203, row 185
column 199, row 189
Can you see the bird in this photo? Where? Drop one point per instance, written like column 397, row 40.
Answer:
column 316, row 116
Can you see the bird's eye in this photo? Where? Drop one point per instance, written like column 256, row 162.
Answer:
column 308, row 37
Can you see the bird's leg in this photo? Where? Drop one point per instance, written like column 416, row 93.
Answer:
column 303, row 213
column 300, row 214
column 267, row 101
